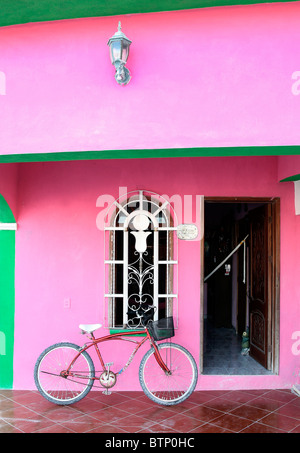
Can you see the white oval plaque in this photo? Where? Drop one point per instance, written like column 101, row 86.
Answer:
column 187, row 231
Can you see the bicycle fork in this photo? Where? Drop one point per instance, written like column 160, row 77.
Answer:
column 160, row 361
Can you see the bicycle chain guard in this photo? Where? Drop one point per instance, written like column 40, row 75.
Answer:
column 108, row 378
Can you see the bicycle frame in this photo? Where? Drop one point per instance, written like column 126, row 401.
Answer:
column 96, row 341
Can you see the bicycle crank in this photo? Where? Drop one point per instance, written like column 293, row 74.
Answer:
column 107, row 379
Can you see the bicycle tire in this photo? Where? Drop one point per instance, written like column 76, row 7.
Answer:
column 52, row 385
column 169, row 389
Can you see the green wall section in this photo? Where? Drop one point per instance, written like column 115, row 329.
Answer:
column 24, row 11
column 7, row 309
column 7, row 296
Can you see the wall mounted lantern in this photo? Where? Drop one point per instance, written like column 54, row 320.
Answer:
column 119, row 50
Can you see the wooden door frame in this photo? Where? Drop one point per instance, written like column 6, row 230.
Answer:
column 274, row 269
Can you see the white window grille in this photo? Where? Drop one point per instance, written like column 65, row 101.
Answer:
column 141, row 250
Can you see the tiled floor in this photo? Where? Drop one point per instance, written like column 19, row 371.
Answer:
column 222, row 354
column 249, row 411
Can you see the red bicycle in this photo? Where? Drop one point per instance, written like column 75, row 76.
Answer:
column 64, row 373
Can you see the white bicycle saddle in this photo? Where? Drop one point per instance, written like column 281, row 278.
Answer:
column 89, row 328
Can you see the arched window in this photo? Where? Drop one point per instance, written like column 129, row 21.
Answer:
column 140, row 260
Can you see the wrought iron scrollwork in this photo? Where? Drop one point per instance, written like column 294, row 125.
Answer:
column 140, row 302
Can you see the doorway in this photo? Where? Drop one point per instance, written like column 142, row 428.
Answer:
column 240, row 313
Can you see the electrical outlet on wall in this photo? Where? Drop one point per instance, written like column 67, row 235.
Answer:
column 67, row 303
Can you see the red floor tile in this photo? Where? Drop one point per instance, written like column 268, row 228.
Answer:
column 261, row 428
column 182, row 423
column 157, row 414
column 58, row 429
column 296, row 430
column 112, row 399
column 210, row 428
column 61, row 413
column 133, row 423
column 40, row 406
column 290, row 410
column 182, row 407
column 281, row 396
column 89, row 405
column 295, row 402
column 109, row 414
column 18, row 413
column 203, row 413
column 232, row 422
column 26, row 398
column 249, row 411
column 109, row 429
column 239, row 396
column 5, row 427
column 7, row 405
column 134, row 406
column 82, row 424
column 222, row 404
column 157, row 428
column 280, row 421
column 201, row 397
column 265, row 403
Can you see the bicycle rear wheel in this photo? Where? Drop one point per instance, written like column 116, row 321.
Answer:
column 51, row 381
column 168, row 388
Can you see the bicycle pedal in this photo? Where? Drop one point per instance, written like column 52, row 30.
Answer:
column 109, row 364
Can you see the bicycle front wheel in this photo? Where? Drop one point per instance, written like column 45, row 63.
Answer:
column 168, row 388
column 57, row 386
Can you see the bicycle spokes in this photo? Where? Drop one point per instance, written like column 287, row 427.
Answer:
column 173, row 386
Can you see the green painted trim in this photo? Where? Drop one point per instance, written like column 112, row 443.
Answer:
column 153, row 153
column 6, row 216
column 7, row 296
column 25, row 11
column 7, row 307
column 291, row 178
column 126, row 331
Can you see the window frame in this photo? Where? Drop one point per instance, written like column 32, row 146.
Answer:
column 157, row 205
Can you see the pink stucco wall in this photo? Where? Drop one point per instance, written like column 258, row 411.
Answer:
column 208, row 77
column 59, row 253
